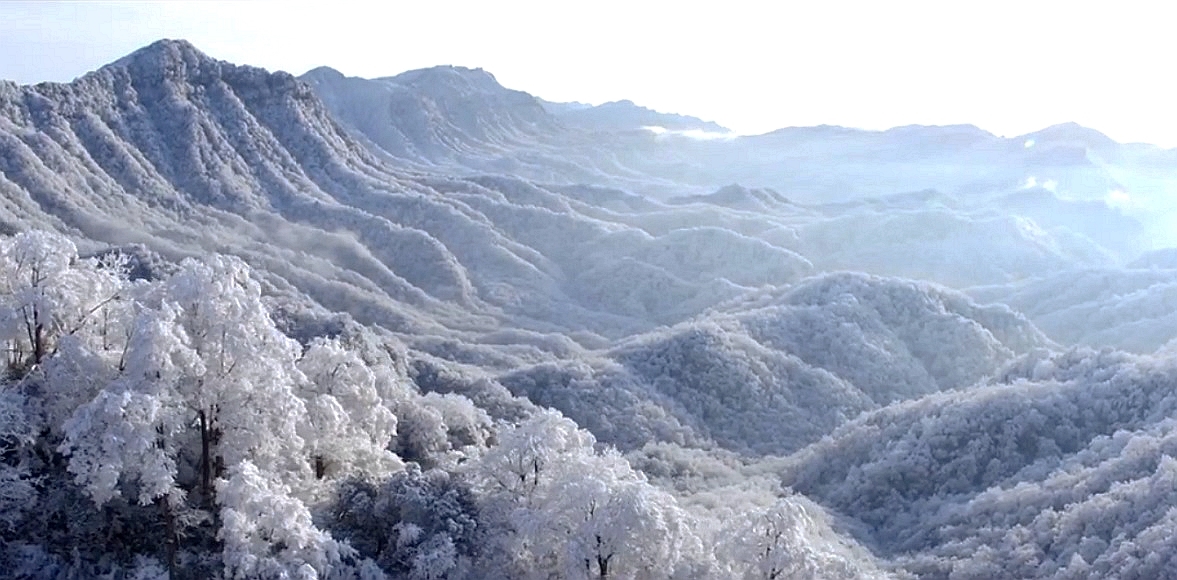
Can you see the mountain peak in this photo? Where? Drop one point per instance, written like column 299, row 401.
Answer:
column 170, row 44
column 431, row 113
column 166, row 49
column 625, row 115
column 323, row 73
column 955, row 129
column 177, row 64
column 449, row 76
column 169, row 60
column 1070, row 133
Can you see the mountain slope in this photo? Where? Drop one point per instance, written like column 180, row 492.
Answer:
column 186, row 154
column 1061, row 469
column 776, row 370
column 432, row 114
column 678, row 297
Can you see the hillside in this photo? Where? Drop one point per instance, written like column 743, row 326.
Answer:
column 416, row 326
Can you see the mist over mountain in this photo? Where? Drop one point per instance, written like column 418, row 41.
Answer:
column 431, row 323
column 607, row 145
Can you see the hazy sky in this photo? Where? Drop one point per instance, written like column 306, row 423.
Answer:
column 1009, row 67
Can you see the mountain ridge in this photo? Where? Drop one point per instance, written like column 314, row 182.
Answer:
column 734, row 315
column 612, row 144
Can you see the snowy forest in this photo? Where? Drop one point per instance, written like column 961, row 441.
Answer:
column 424, row 326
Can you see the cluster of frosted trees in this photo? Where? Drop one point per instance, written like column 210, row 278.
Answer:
column 1064, row 468
column 167, row 427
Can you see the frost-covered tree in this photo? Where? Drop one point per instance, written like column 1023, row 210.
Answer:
column 17, row 490
column 789, row 540
column 207, row 420
column 267, row 533
column 567, row 510
column 614, row 524
column 47, row 292
column 441, row 429
column 349, row 427
column 416, row 524
column 206, row 361
column 514, row 469
column 64, row 322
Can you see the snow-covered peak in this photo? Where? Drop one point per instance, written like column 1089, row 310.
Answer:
column 450, row 76
column 1069, row 134
column 323, row 73
column 177, row 58
column 625, row 115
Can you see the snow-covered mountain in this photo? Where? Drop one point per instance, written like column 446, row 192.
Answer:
column 435, row 113
column 625, row 115
column 466, row 120
column 512, row 133
column 1061, row 469
column 186, row 155
column 890, row 323
column 780, row 368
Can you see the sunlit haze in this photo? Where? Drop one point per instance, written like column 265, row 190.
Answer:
column 1008, row 67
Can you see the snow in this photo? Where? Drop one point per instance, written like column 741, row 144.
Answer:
column 429, row 327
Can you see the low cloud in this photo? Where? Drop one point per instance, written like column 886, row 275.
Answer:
column 695, row 134
column 1119, row 198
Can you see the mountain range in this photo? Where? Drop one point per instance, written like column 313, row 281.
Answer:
column 841, row 309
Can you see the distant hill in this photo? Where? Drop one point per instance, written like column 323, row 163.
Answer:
column 430, row 114
column 626, row 116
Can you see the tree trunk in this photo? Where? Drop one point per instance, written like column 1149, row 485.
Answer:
column 171, row 538
column 39, row 347
column 602, row 561
column 38, row 336
column 206, row 467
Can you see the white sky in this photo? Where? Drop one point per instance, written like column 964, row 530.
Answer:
column 754, row 66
